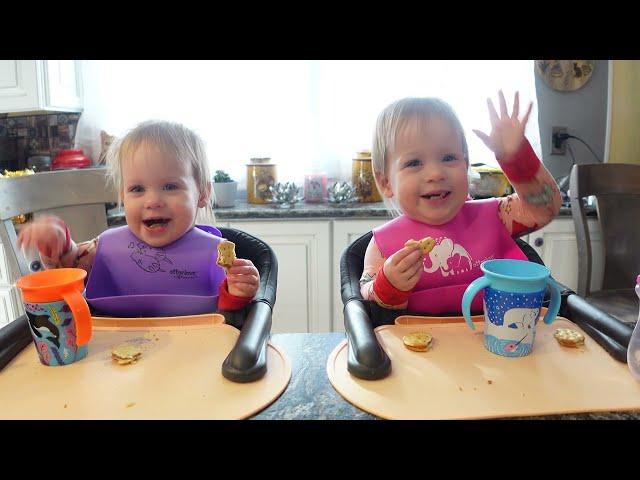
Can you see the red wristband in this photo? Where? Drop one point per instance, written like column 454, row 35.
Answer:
column 226, row 301
column 523, row 165
column 386, row 292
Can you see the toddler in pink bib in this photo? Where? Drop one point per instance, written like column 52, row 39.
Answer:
column 420, row 160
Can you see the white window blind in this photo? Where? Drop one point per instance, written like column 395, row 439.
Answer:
column 306, row 115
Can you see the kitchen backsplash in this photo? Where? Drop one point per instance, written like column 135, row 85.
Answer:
column 39, row 134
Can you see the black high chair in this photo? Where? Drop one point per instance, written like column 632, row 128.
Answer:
column 247, row 361
column 367, row 359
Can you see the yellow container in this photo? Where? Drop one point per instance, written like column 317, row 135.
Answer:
column 261, row 174
column 363, row 180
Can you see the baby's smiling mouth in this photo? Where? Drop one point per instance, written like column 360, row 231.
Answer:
column 156, row 222
column 437, row 195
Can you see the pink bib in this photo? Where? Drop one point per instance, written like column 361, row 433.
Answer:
column 474, row 235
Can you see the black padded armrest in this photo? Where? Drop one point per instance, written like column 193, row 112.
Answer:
column 582, row 313
column 351, row 267
column 613, row 348
column 247, row 361
column 366, row 358
column 610, row 333
column 13, row 338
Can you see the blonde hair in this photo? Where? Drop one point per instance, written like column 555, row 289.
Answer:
column 173, row 139
column 395, row 117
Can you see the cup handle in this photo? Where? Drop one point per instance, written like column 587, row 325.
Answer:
column 81, row 315
column 554, row 305
column 471, row 291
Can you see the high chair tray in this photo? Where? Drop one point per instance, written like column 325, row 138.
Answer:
column 178, row 375
column 457, row 378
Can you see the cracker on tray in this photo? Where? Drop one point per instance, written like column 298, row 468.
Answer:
column 417, row 341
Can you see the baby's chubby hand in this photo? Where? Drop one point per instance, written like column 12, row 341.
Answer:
column 243, row 278
column 404, row 268
column 507, row 131
column 47, row 234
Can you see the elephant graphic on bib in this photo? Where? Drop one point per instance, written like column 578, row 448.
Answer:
column 448, row 257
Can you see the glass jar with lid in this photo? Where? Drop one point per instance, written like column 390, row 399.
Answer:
column 362, row 178
column 261, row 174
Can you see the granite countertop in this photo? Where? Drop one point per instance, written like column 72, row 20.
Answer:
column 246, row 211
column 310, row 395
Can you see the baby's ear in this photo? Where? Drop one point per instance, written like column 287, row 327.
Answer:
column 384, row 185
column 204, row 196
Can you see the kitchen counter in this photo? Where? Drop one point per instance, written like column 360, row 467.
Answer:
column 310, row 395
column 245, row 211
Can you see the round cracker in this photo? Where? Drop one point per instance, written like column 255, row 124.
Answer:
column 417, row 341
column 126, row 351
column 568, row 337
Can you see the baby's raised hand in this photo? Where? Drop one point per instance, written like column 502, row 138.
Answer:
column 404, row 268
column 507, row 131
column 47, row 234
column 243, row 278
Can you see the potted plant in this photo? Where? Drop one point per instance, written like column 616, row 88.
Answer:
column 224, row 189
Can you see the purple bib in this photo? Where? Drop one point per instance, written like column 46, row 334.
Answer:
column 131, row 278
column 474, row 235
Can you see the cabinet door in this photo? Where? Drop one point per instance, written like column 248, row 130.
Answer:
column 556, row 244
column 18, row 85
column 304, row 280
column 63, row 85
column 344, row 233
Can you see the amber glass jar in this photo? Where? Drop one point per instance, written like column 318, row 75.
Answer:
column 363, row 180
column 261, row 174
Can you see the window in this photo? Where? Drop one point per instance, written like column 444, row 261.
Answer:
column 306, row 115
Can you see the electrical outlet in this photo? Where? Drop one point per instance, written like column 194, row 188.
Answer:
column 558, row 146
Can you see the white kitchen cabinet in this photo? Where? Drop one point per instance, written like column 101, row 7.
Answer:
column 557, row 246
column 303, row 250
column 344, row 233
column 40, row 85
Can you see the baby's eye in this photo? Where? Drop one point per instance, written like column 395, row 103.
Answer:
column 413, row 163
column 136, row 189
column 170, row 186
column 450, row 157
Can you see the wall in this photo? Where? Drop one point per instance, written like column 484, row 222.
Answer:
column 583, row 112
column 624, row 146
